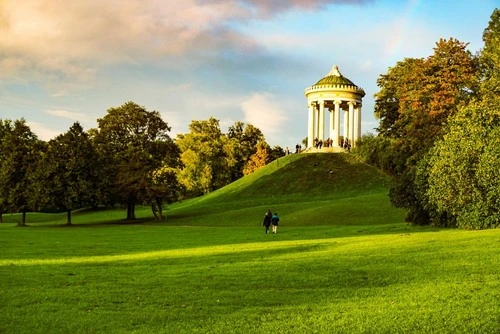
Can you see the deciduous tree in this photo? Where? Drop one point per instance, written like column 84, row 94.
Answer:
column 20, row 149
column 67, row 176
column 241, row 146
column 135, row 144
column 464, row 166
column 416, row 99
column 206, row 163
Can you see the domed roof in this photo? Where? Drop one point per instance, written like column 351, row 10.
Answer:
column 335, row 78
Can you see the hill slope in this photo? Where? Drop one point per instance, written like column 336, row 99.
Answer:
column 309, row 189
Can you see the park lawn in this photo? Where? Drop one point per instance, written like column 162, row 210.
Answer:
column 159, row 278
column 343, row 261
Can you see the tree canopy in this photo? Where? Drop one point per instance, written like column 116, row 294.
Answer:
column 136, row 145
column 463, row 167
column 20, row 149
column 67, row 176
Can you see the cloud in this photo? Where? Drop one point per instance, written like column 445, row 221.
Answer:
column 75, row 116
column 42, row 131
column 75, row 38
column 263, row 111
column 266, row 8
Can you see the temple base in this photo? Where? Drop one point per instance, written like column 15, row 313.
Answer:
column 324, row 150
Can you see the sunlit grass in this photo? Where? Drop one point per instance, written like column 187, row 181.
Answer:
column 343, row 261
column 302, row 280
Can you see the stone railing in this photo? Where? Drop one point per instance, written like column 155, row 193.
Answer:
column 333, row 86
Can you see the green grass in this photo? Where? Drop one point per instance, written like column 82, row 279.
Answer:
column 343, row 261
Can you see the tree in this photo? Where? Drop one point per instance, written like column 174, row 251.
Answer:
column 416, row 99
column 164, row 188
column 20, row 149
column 259, row 159
column 67, row 176
column 463, row 168
column 275, row 153
column 489, row 58
column 135, row 144
column 242, row 144
column 206, row 163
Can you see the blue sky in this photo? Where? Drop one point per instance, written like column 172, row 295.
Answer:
column 246, row 60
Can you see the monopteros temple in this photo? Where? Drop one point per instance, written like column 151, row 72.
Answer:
column 342, row 99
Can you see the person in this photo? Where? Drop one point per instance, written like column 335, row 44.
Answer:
column 267, row 220
column 275, row 221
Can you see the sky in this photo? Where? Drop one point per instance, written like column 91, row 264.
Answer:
column 241, row 60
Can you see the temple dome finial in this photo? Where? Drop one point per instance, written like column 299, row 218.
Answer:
column 335, row 71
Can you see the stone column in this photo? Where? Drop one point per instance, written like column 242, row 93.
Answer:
column 356, row 127
column 331, row 124
column 310, row 125
column 336, row 124
column 346, row 125
column 321, row 133
column 351, row 122
column 316, row 121
column 359, row 121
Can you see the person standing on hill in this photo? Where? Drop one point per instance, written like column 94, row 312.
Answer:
column 267, row 220
column 275, row 221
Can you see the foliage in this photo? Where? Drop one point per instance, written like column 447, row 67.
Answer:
column 67, row 176
column 276, row 152
column 242, row 144
column 379, row 151
column 490, row 58
column 136, row 144
column 213, row 159
column 206, row 164
column 20, row 149
column 259, row 159
column 464, row 166
column 416, row 99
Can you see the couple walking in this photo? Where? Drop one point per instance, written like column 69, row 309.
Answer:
column 270, row 219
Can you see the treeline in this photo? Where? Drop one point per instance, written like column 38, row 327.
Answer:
column 128, row 159
column 439, row 133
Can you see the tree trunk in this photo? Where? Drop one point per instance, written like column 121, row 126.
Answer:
column 160, row 209
column 68, row 217
column 1, row 216
column 131, row 211
column 23, row 218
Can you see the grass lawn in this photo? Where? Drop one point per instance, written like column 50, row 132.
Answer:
column 343, row 261
column 188, row 279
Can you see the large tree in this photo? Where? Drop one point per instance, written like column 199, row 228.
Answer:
column 20, row 149
column 135, row 144
column 207, row 166
column 463, row 168
column 68, row 174
column 416, row 99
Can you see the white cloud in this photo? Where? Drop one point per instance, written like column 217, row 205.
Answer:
column 265, row 112
column 75, row 116
column 42, row 131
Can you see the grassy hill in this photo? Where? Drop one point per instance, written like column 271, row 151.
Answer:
column 305, row 189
